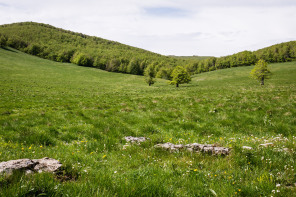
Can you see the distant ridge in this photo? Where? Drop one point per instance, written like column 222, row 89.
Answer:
column 61, row 45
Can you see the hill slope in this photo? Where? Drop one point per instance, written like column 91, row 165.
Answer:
column 65, row 46
column 79, row 116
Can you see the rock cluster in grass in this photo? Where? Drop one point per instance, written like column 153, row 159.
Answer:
column 247, row 148
column 195, row 147
column 132, row 139
column 267, row 145
column 30, row 165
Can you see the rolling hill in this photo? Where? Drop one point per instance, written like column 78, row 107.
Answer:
column 61, row 45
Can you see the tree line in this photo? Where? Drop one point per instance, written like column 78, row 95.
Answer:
column 61, row 45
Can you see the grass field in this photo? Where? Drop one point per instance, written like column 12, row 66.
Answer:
column 80, row 115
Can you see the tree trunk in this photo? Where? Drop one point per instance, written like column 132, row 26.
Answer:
column 177, row 85
column 262, row 81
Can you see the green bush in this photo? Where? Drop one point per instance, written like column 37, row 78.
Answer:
column 82, row 59
column 3, row 41
column 34, row 49
column 65, row 55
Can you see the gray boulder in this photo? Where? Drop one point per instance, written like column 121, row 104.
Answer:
column 28, row 166
column 195, row 147
column 46, row 165
column 132, row 139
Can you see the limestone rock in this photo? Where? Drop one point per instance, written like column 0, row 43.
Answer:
column 132, row 139
column 266, row 144
column 247, row 148
column 46, row 165
column 195, row 147
column 28, row 166
column 9, row 167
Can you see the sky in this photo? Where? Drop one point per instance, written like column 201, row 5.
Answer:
column 168, row 27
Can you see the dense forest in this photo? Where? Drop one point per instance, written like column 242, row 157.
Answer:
column 61, row 45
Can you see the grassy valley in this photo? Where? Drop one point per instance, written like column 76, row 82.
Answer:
column 79, row 115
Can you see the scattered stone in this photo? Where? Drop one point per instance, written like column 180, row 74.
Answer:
column 195, row 147
column 9, row 167
column 46, row 165
column 132, row 139
column 29, row 166
column 266, row 144
column 166, row 146
column 282, row 150
column 247, row 148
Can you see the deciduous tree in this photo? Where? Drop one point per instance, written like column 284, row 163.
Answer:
column 260, row 71
column 149, row 74
column 180, row 76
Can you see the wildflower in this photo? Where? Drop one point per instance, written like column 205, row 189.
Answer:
column 104, row 156
column 115, row 172
column 91, row 152
column 278, row 185
column 195, row 170
column 41, row 146
column 239, row 190
column 30, row 147
column 22, row 148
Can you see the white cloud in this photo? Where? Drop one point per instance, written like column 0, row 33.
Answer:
column 188, row 27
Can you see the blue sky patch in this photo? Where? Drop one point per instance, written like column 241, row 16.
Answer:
column 165, row 11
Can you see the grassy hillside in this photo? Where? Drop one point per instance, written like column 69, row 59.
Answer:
column 61, row 45
column 79, row 116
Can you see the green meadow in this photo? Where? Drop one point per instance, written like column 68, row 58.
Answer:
column 80, row 116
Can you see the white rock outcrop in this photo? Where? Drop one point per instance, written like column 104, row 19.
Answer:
column 30, row 165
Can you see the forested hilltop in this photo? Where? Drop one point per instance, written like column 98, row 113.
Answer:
column 61, row 45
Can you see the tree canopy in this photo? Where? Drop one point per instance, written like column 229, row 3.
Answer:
column 260, row 71
column 149, row 74
column 180, row 76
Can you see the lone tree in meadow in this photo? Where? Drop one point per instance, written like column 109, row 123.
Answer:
column 149, row 74
column 180, row 76
column 260, row 71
